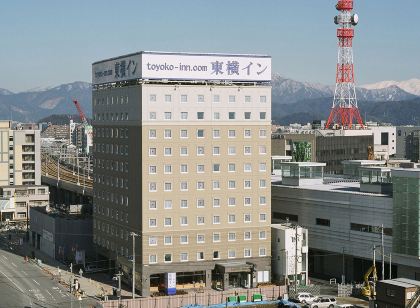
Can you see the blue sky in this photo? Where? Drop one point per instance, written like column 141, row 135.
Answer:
column 51, row 42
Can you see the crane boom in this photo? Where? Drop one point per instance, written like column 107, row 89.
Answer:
column 81, row 113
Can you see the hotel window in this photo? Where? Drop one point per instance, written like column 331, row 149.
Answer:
column 168, row 258
column 216, row 150
column 183, row 256
column 152, row 169
column 168, row 98
column 216, row 98
column 184, row 220
column 200, row 220
column 168, row 186
column 216, row 116
column 216, row 254
column 247, row 235
column 231, row 201
column 168, row 240
column 200, row 238
column 263, row 183
column 216, row 185
column 247, row 133
column 216, row 237
column 200, row 115
column 263, row 167
column 262, row 149
column 152, row 133
column 152, row 186
column 232, row 133
column 247, row 201
column 152, row 241
column 231, row 167
column 200, row 203
column 200, row 256
column 247, row 99
column 247, row 150
column 200, row 133
column 168, row 134
column 200, row 151
column 168, row 204
column 263, row 252
column 184, row 168
column 262, row 235
column 247, row 167
column 231, row 150
column 200, row 98
column 152, row 259
column 168, row 151
column 152, row 205
column 184, row 204
column 184, row 115
column 200, row 168
column 263, row 99
column 231, row 218
column 152, row 115
column 216, row 133
column 231, row 236
column 263, row 133
column 247, row 217
column 184, row 186
column 232, row 98
column 263, row 200
column 152, row 98
column 262, row 115
column 183, row 151
column 168, row 222
column 200, row 185
column 231, row 254
column 216, row 220
column 247, row 115
column 263, row 217
column 168, row 115
column 216, row 202
column 152, row 222
column 231, row 115
column 183, row 133
column 231, row 184
column 247, row 253
column 184, row 98
column 216, row 167
column 183, row 239
column 247, row 184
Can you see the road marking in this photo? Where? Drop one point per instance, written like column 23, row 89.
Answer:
column 24, row 272
column 12, row 282
column 50, row 294
column 36, row 282
column 14, row 264
column 4, row 257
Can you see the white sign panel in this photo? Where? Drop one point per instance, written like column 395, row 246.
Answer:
column 47, row 235
column 149, row 65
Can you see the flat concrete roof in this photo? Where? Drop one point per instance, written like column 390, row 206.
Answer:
column 363, row 162
column 406, row 172
column 304, row 164
column 403, row 282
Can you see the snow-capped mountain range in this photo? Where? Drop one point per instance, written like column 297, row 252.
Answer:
column 38, row 103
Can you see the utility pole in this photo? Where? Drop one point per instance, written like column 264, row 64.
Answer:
column 134, row 263
column 390, row 266
column 343, row 275
column 118, row 277
column 383, row 252
column 296, row 256
column 374, row 266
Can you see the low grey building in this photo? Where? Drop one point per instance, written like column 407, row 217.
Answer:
column 61, row 234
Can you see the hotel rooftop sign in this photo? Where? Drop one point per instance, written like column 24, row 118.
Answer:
column 183, row 66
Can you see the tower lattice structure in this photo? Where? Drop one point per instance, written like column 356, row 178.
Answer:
column 344, row 109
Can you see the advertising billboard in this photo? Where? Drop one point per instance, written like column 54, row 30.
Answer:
column 183, row 66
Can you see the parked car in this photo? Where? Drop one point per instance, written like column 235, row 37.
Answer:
column 305, row 297
column 323, row 302
column 345, row 306
column 287, row 304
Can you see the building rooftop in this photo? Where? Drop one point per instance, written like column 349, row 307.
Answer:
column 406, row 172
column 402, row 282
column 304, row 164
column 364, row 162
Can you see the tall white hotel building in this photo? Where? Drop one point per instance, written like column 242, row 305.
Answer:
column 182, row 158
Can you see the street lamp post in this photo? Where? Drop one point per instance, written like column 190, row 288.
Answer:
column 134, row 263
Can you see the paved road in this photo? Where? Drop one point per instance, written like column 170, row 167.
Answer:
column 24, row 284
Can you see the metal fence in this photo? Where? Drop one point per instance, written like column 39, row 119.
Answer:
column 205, row 298
column 312, row 288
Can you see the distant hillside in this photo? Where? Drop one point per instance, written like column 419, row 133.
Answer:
column 60, row 119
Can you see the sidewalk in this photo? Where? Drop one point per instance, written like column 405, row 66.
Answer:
column 61, row 273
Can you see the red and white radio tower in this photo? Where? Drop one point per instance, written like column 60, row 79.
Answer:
column 344, row 109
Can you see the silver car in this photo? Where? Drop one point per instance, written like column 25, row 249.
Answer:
column 324, row 302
